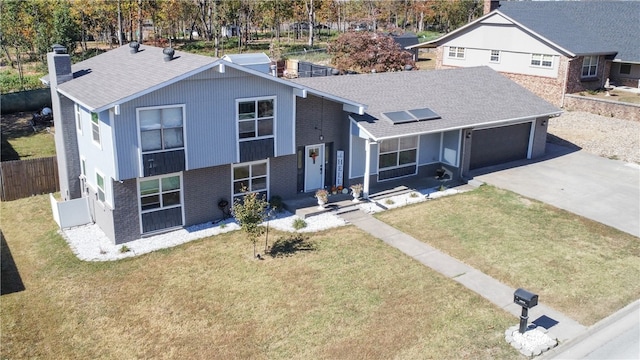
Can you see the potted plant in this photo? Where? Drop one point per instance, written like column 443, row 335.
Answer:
column 323, row 197
column 356, row 190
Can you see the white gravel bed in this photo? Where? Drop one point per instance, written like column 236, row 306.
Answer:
column 89, row 243
column 600, row 135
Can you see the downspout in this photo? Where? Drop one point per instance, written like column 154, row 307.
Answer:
column 566, row 80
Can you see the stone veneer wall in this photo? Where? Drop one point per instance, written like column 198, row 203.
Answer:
column 610, row 108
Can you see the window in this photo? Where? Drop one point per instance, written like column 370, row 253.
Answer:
column 160, row 193
column 250, row 177
column 456, row 52
column 398, row 152
column 161, row 129
column 590, row 66
column 625, row 69
column 95, row 128
column 541, row 60
column 78, row 118
column 83, row 166
column 255, row 118
column 495, row 56
column 100, row 186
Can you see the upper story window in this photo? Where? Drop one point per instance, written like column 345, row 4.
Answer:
column 256, row 118
column 161, row 128
column 78, row 118
column 456, row 52
column 495, row 56
column 250, row 177
column 95, row 128
column 541, row 60
column 590, row 66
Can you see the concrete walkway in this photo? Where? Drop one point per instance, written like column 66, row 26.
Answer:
column 559, row 326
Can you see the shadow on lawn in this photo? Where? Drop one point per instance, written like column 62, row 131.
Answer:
column 290, row 245
column 11, row 281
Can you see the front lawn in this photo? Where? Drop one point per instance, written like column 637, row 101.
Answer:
column 579, row 267
column 347, row 296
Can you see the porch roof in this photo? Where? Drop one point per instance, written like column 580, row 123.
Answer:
column 464, row 98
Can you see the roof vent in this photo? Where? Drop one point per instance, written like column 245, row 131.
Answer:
column 134, row 46
column 168, row 53
column 59, row 49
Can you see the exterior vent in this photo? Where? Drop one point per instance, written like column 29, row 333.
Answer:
column 168, row 53
column 134, row 46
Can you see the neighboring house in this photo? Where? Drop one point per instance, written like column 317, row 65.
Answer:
column 407, row 40
column 256, row 61
column 148, row 141
column 552, row 48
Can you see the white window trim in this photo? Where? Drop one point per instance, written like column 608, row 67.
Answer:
column 275, row 117
column 397, row 151
column 140, row 211
column 98, row 188
column 542, row 56
column 233, row 166
column 161, row 107
column 457, row 52
column 78, row 113
column 491, row 56
column 595, row 74
column 99, row 142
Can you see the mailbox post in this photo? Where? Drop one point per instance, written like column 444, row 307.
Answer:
column 527, row 300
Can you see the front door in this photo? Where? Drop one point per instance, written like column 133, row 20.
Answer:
column 313, row 167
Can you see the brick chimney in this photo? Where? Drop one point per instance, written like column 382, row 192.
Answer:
column 59, row 63
column 490, row 5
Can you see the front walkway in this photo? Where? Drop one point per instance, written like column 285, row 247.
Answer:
column 558, row 325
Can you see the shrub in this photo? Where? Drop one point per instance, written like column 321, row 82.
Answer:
column 299, row 224
column 276, row 203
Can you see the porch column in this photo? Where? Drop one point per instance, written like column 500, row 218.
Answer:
column 367, row 168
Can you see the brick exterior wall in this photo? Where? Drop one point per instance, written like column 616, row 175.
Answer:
column 125, row 213
column 609, row 108
column 283, row 181
column 203, row 189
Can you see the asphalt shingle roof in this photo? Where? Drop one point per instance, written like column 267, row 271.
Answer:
column 117, row 74
column 583, row 27
column 464, row 97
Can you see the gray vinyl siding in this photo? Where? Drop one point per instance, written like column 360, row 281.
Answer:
column 429, row 148
column 210, row 118
column 539, row 137
column 450, row 141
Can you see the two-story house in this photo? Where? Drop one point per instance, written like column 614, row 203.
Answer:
column 552, row 48
column 150, row 140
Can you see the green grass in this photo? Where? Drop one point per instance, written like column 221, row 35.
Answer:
column 577, row 266
column 20, row 142
column 340, row 295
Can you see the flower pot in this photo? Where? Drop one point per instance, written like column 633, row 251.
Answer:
column 356, row 196
column 321, row 203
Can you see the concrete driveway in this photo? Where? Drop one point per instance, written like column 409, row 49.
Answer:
column 600, row 189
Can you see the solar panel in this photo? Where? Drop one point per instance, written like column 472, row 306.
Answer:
column 399, row 117
column 424, row 114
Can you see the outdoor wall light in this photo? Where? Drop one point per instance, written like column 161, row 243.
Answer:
column 543, row 123
column 468, row 134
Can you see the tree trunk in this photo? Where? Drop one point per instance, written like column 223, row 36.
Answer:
column 312, row 13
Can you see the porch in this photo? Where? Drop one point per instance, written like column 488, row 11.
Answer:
column 305, row 204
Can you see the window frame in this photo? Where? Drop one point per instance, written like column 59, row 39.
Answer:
column 541, row 61
column 256, row 119
column 266, row 176
column 625, row 73
column 99, row 189
column 95, row 130
column 456, row 52
column 589, row 66
column 160, row 192
column 398, row 150
column 78, row 113
column 162, row 129
column 497, row 56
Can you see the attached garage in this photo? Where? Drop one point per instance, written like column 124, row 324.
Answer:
column 499, row 145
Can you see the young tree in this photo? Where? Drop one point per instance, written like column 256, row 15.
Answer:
column 250, row 212
column 366, row 51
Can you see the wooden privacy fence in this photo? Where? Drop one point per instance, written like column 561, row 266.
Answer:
column 24, row 178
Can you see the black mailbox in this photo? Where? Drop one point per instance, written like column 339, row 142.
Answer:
column 525, row 299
